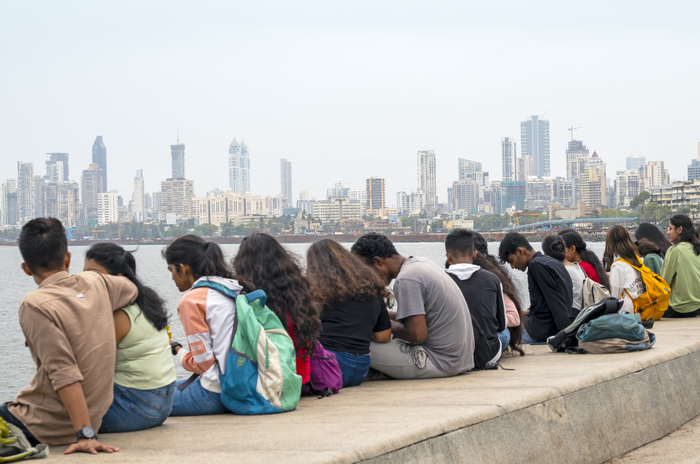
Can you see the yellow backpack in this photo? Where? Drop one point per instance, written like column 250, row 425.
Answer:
column 654, row 302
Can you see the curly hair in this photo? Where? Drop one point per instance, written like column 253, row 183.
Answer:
column 265, row 265
column 373, row 244
column 337, row 275
column 510, row 244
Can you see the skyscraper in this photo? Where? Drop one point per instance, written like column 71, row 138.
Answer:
column 25, row 191
column 178, row 154
column 427, row 178
column 375, row 195
column 238, row 167
column 139, row 197
column 91, row 186
column 633, row 162
column 534, row 141
column 8, row 203
column 508, row 162
column 466, row 166
column 57, row 167
column 286, row 179
column 99, row 156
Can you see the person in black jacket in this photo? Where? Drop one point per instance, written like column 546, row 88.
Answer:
column 551, row 292
column 483, row 293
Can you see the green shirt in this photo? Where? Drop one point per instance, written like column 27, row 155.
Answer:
column 144, row 360
column 681, row 270
column 653, row 262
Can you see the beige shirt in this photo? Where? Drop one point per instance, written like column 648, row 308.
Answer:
column 69, row 327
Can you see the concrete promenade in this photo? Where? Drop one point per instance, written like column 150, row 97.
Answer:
column 552, row 408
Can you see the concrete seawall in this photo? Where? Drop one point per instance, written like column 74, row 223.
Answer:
column 552, row 408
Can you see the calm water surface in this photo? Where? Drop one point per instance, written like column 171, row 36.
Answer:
column 17, row 367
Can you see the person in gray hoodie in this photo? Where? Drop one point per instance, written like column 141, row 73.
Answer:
column 483, row 292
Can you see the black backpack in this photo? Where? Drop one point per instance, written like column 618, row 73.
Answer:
column 566, row 338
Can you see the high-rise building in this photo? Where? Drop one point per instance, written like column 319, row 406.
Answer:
column 176, row 197
column 139, row 197
column 526, row 167
column 39, row 196
column 91, row 183
column 337, row 192
column 337, row 209
column 512, row 195
column 99, row 156
column 25, row 191
column 465, row 196
column 63, row 203
column 375, row 195
column 593, row 183
column 57, row 167
column 238, row 167
column 303, row 195
column 427, row 182
column 534, row 142
column 466, row 166
column 626, row 186
column 359, row 195
column 652, row 174
column 508, row 157
column 286, row 179
column 693, row 170
column 539, row 193
column 8, row 203
column 177, row 152
column 156, row 205
column 107, row 207
column 633, row 162
column 408, row 203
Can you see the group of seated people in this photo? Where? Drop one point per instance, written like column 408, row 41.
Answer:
column 105, row 359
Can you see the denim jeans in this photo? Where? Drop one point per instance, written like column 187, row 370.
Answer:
column 11, row 419
column 195, row 400
column 353, row 366
column 134, row 409
column 504, row 337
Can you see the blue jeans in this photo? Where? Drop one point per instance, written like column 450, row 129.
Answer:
column 134, row 409
column 195, row 400
column 11, row 419
column 504, row 337
column 353, row 366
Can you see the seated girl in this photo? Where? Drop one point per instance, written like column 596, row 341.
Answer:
column 144, row 374
column 626, row 282
column 554, row 246
column 354, row 299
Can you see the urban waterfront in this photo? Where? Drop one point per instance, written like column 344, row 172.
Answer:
column 17, row 367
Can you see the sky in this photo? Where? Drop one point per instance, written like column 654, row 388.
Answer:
column 345, row 90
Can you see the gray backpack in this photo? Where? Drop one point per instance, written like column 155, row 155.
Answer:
column 593, row 292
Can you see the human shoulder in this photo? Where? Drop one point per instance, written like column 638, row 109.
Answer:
column 487, row 277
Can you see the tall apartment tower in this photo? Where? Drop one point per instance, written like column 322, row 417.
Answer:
column 25, row 191
column 508, row 159
column 633, row 162
column 375, row 195
column 178, row 157
column 8, row 203
column 466, row 167
column 56, row 167
column 91, row 186
column 238, row 167
column 99, row 156
column 534, row 141
column 694, row 167
column 286, row 179
column 426, row 178
column 139, row 197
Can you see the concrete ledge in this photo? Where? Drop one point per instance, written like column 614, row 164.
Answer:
column 553, row 408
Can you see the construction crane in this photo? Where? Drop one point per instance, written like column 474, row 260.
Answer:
column 572, row 129
column 518, row 214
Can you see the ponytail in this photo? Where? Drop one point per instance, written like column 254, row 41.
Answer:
column 204, row 258
column 689, row 233
column 554, row 246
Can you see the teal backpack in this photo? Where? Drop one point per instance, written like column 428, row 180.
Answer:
column 260, row 375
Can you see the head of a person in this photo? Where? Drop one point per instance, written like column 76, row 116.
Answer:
column 652, row 233
column 264, row 264
column 619, row 244
column 459, row 247
column 554, row 246
column 109, row 258
column 191, row 257
column 576, row 251
column 44, row 248
column 516, row 251
column 376, row 250
column 681, row 229
column 480, row 244
column 647, row 247
column 337, row 275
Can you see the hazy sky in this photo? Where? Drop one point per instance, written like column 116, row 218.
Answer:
column 345, row 90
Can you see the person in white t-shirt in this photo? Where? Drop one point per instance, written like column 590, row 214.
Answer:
column 625, row 281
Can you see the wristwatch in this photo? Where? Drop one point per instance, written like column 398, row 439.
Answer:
column 87, row 433
column 172, row 348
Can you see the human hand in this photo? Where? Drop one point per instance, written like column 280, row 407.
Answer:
column 90, row 446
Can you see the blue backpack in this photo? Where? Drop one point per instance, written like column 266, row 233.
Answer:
column 260, row 375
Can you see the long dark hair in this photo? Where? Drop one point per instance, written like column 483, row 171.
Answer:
column 488, row 262
column 619, row 242
column 647, row 247
column 266, row 265
column 573, row 238
column 689, row 233
column 116, row 260
column 554, row 246
column 336, row 275
column 204, row 258
column 654, row 235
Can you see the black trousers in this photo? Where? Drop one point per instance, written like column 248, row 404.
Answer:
column 671, row 314
column 10, row 419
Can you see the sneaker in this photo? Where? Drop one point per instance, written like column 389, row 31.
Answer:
column 648, row 324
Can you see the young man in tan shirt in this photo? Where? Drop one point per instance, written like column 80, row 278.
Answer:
column 69, row 328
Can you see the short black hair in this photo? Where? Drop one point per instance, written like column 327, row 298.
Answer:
column 372, row 244
column 460, row 242
column 43, row 244
column 510, row 244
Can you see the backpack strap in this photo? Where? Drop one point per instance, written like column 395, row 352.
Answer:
column 187, row 382
column 320, row 394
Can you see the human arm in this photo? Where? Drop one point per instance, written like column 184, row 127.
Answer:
column 121, row 290
column 193, row 311
column 409, row 320
column 501, row 315
column 381, row 333
column 511, row 312
column 122, row 325
column 412, row 329
column 73, row 399
column 556, row 295
column 617, row 281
